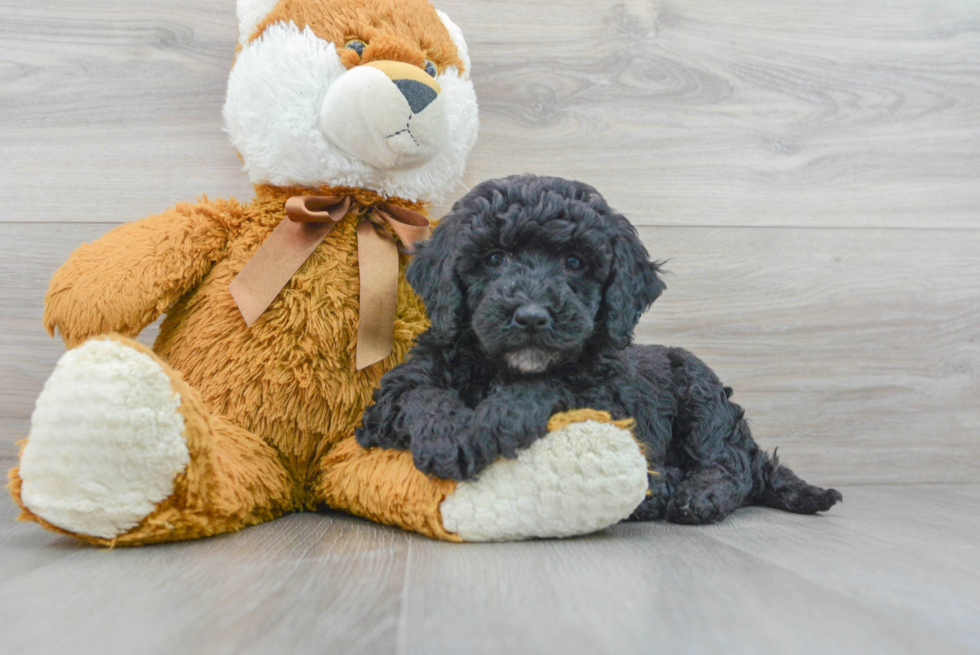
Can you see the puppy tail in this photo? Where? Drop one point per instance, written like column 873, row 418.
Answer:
column 777, row 486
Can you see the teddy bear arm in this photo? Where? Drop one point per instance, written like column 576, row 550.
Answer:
column 125, row 279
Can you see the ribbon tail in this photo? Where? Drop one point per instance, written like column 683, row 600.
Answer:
column 274, row 264
column 377, row 259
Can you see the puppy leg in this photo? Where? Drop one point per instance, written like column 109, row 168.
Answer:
column 450, row 441
column 441, row 437
column 661, row 486
column 447, row 439
column 709, row 493
column 782, row 489
column 410, row 412
column 724, row 467
column 713, row 443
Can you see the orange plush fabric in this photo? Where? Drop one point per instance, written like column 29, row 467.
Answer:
column 269, row 410
column 398, row 30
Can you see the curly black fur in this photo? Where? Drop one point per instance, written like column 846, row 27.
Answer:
column 534, row 286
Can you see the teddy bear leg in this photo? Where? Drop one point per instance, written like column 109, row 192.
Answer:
column 586, row 474
column 384, row 486
column 122, row 451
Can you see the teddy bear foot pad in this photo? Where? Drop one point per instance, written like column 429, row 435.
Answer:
column 580, row 478
column 106, row 443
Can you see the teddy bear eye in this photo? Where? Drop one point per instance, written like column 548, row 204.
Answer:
column 357, row 46
column 430, row 68
column 495, row 259
column 574, row 263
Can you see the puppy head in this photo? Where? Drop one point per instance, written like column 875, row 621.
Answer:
column 536, row 268
column 373, row 94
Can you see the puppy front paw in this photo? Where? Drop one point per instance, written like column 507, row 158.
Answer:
column 695, row 506
column 654, row 506
column 450, row 456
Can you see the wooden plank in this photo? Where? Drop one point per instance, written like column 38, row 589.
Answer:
column 29, row 255
column 910, row 551
column 838, row 114
column 892, row 570
column 298, row 585
column 112, row 110
column 700, row 113
column 660, row 588
column 855, row 352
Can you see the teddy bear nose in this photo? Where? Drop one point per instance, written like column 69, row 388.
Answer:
column 532, row 317
column 419, row 95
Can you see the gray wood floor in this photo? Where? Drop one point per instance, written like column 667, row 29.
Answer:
column 893, row 570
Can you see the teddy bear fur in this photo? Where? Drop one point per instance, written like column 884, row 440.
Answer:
column 289, row 378
column 269, row 410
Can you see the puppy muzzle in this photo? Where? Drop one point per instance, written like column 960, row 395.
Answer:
column 388, row 114
column 535, row 328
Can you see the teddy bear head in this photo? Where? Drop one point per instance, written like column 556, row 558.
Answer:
column 374, row 94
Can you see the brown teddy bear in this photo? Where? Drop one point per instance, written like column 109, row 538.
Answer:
column 283, row 313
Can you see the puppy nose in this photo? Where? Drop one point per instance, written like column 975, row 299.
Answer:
column 532, row 317
column 419, row 95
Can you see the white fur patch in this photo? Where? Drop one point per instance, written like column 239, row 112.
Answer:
column 580, row 479
column 275, row 93
column 106, row 441
column 531, row 360
column 456, row 35
column 250, row 14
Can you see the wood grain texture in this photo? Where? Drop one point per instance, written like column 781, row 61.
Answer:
column 112, row 110
column 809, row 169
column 844, row 113
column 892, row 554
column 300, row 585
column 855, row 352
column 705, row 113
column 893, row 570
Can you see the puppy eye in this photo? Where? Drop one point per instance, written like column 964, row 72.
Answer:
column 430, row 68
column 574, row 263
column 357, row 46
column 495, row 259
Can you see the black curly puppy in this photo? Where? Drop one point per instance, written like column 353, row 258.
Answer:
column 534, row 286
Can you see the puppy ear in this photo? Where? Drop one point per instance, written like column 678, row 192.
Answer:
column 432, row 273
column 632, row 287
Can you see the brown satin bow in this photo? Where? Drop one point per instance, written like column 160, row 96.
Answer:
column 310, row 219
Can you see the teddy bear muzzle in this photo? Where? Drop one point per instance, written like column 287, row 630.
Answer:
column 388, row 114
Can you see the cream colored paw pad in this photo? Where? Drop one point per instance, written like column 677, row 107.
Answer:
column 576, row 480
column 106, row 441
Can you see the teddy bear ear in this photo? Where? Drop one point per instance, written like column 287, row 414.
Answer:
column 250, row 14
column 457, row 36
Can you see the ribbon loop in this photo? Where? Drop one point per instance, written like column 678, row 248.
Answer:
column 310, row 219
column 410, row 226
column 317, row 209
